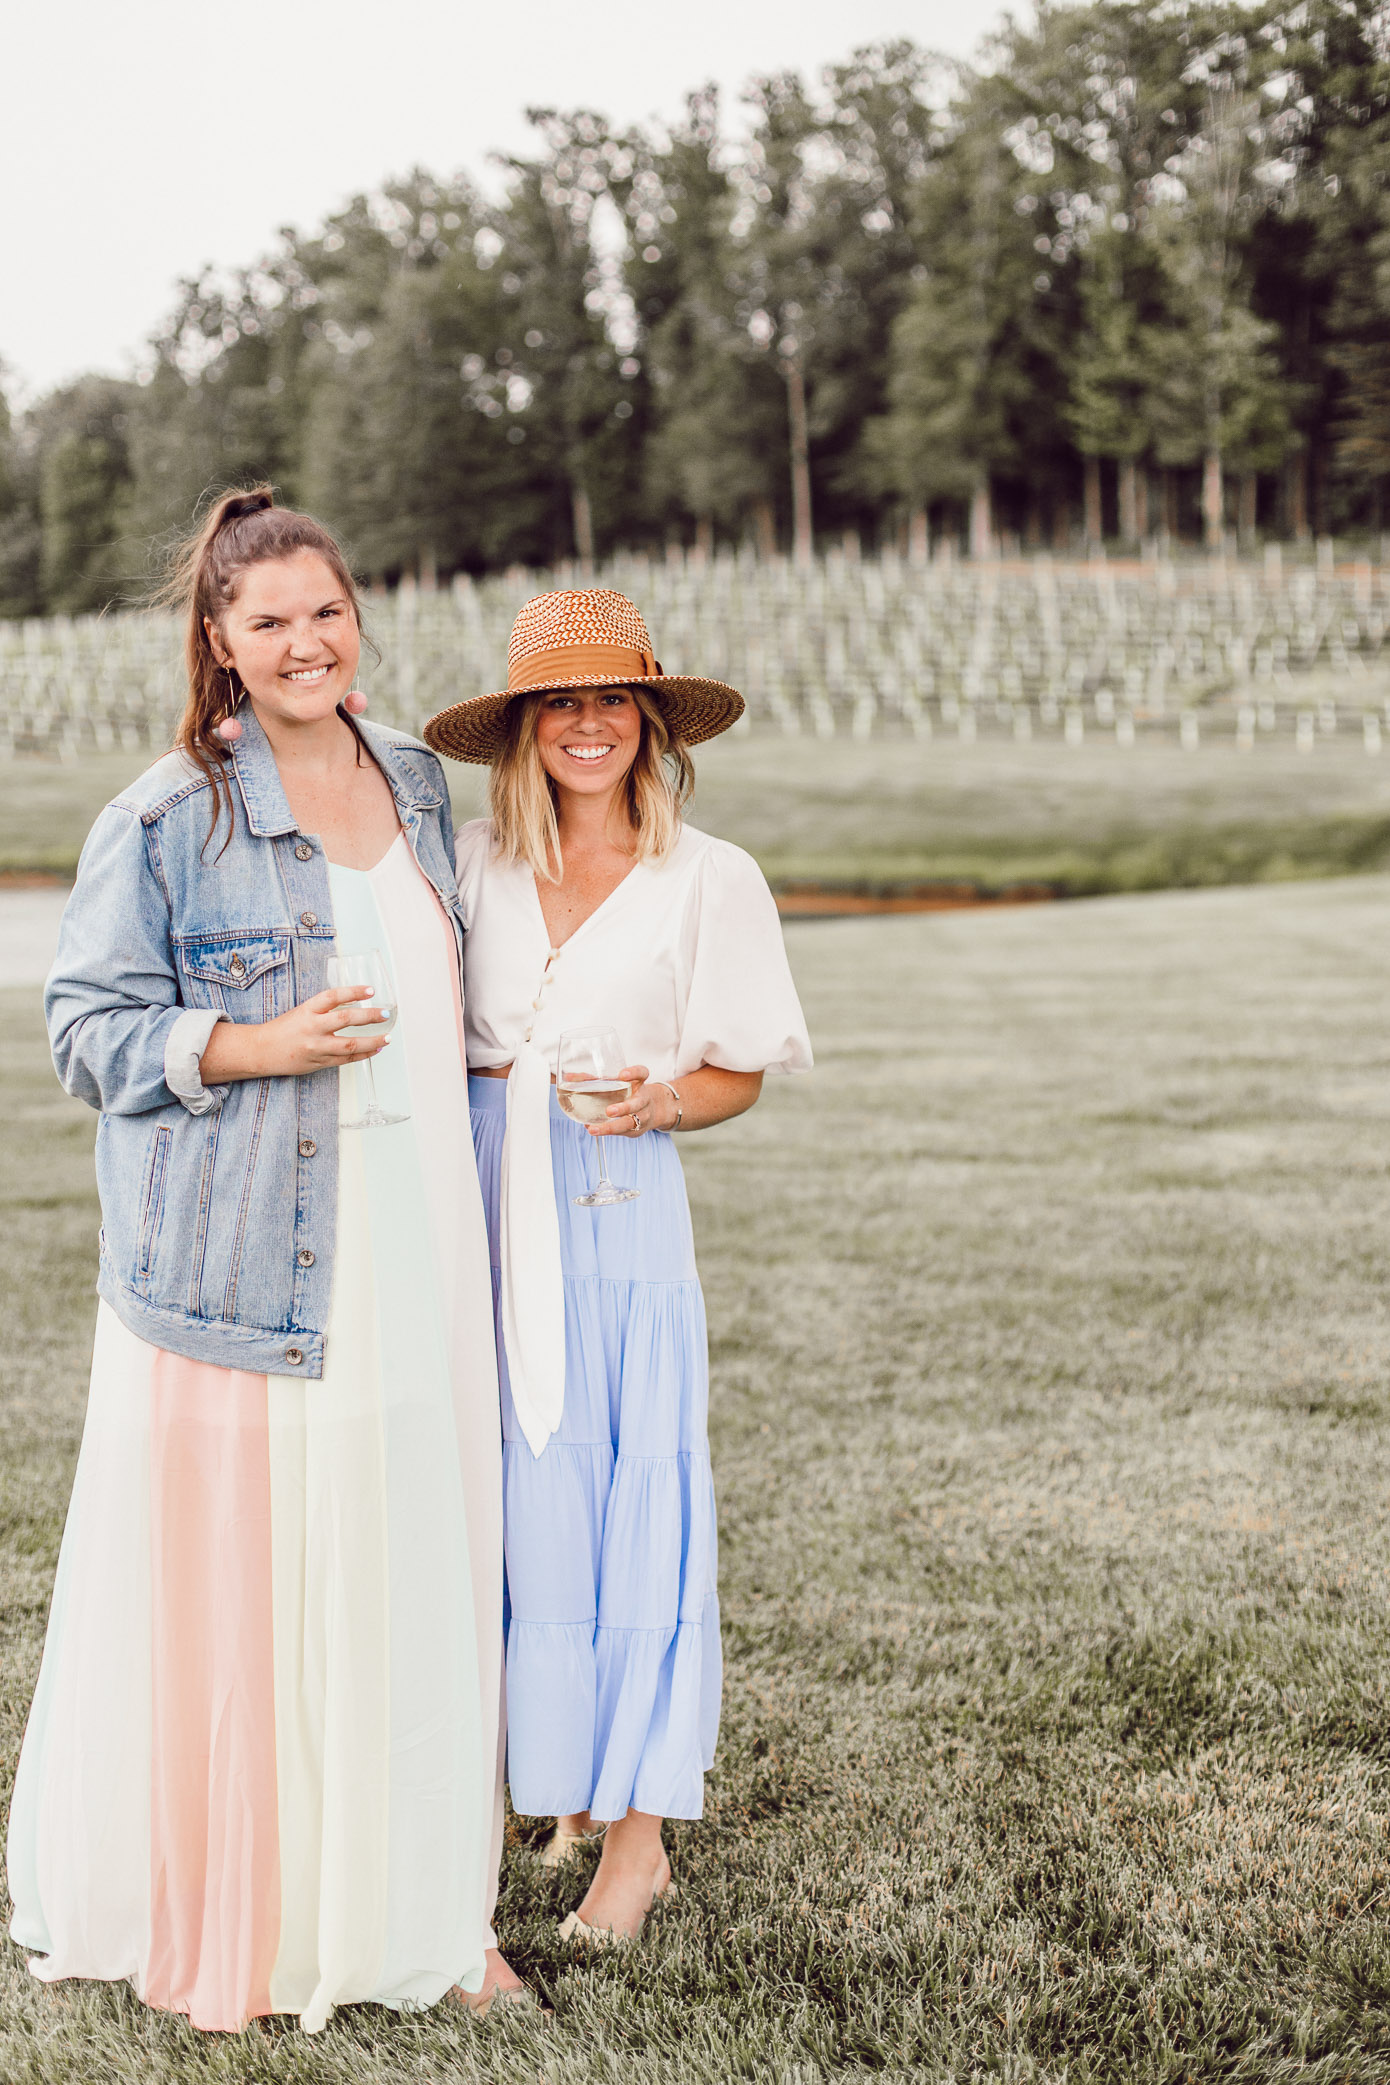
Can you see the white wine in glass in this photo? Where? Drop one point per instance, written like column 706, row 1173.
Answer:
column 369, row 968
column 587, row 1084
column 588, row 1100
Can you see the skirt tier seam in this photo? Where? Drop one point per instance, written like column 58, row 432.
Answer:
column 619, row 1455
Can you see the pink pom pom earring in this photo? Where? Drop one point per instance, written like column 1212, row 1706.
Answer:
column 355, row 702
column 229, row 730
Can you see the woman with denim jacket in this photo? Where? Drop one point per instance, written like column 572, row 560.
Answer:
column 262, row 1767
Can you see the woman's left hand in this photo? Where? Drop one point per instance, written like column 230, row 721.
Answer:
column 646, row 1107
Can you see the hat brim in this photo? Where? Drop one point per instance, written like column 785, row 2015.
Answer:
column 695, row 709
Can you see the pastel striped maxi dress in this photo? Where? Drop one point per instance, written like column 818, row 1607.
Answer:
column 262, row 1767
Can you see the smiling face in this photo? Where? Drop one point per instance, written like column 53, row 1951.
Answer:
column 292, row 635
column 588, row 738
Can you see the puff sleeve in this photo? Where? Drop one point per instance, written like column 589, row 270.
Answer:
column 741, row 1011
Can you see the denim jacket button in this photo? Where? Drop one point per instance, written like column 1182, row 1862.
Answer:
column 303, row 852
column 307, row 1147
column 304, row 1256
column 308, row 919
column 294, row 1355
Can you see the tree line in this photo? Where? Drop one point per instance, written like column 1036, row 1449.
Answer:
column 1127, row 275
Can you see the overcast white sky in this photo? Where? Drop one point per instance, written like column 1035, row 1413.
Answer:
column 140, row 141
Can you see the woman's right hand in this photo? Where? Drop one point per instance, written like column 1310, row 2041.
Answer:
column 293, row 1044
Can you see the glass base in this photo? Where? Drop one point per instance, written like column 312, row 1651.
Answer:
column 603, row 1196
column 374, row 1118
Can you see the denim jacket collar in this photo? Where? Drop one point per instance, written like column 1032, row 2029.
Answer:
column 268, row 813
column 409, row 787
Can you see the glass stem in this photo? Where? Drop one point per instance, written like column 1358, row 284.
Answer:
column 603, row 1178
column 371, row 1082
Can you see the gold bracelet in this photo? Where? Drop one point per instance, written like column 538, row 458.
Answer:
column 680, row 1104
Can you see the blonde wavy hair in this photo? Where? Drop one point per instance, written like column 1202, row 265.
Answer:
column 522, row 795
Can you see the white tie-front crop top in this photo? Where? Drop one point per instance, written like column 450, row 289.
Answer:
column 684, row 959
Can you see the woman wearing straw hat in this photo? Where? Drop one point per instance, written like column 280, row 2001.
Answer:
column 590, row 908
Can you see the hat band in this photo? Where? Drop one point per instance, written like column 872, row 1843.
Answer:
column 570, row 661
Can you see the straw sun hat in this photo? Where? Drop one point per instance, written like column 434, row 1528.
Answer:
column 594, row 639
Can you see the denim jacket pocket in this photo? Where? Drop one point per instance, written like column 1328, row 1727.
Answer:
column 220, row 970
column 152, row 1202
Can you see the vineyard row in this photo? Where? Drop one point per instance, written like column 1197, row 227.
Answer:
column 841, row 648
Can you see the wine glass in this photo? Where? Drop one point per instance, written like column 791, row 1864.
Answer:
column 588, row 1067
column 369, row 968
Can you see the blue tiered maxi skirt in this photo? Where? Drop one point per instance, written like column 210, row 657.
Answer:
column 611, row 1613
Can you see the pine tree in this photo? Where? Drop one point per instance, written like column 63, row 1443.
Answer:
column 1112, row 383
column 20, row 532
column 1221, row 388
column 878, row 129
column 563, row 296
column 1101, row 98
column 783, row 269
column 1325, row 276
column 976, row 374
column 415, row 441
column 710, row 406
column 86, row 561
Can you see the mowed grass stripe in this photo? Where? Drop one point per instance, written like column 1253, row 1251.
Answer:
column 1051, row 1364
column 885, row 813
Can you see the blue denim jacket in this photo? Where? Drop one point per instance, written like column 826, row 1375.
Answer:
column 218, row 1208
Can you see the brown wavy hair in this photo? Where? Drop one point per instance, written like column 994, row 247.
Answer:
column 239, row 530
column 522, row 795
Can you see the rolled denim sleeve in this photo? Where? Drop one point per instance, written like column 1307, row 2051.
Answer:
column 112, row 999
column 183, row 1071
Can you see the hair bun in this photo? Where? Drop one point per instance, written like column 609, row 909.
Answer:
column 239, row 504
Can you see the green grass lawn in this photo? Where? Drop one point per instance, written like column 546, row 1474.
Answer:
column 1086, row 819
column 1050, row 1358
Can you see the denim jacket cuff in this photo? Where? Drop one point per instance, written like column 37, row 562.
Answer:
column 183, row 1049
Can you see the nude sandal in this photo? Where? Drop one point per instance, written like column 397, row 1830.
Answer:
column 561, row 1844
column 486, row 2005
column 576, row 1928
